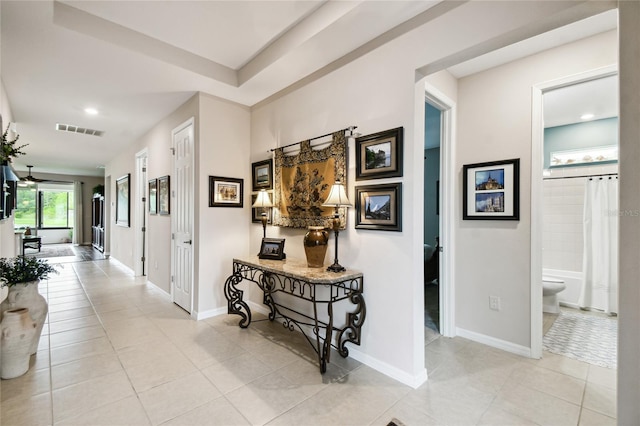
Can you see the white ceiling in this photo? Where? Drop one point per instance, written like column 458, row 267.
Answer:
column 140, row 60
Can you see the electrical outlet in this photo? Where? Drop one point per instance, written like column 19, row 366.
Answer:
column 494, row 303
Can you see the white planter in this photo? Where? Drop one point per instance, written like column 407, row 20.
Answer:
column 18, row 331
column 26, row 296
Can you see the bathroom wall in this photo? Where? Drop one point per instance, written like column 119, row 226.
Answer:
column 563, row 237
column 564, row 198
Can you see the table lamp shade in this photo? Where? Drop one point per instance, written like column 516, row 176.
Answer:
column 262, row 200
column 337, row 196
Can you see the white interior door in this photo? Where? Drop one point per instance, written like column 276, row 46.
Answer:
column 182, row 206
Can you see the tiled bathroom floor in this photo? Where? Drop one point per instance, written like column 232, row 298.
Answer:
column 117, row 352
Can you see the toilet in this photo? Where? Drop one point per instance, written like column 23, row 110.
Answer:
column 550, row 289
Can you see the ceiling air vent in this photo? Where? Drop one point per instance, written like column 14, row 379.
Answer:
column 76, row 129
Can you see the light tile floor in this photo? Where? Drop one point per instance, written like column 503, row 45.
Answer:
column 117, row 352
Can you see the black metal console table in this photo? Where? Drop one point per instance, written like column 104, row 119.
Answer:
column 315, row 285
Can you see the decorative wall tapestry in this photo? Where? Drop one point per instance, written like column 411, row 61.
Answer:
column 303, row 181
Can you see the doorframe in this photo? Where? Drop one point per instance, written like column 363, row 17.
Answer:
column 537, row 164
column 447, row 191
column 190, row 122
column 141, row 247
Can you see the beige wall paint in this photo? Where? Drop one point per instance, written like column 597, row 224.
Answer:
column 7, row 235
column 629, row 245
column 158, row 142
column 221, row 149
column 494, row 123
column 221, row 232
column 378, row 92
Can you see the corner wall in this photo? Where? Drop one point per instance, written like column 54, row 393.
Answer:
column 494, row 116
column 7, row 234
column 158, row 142
column 378, row 92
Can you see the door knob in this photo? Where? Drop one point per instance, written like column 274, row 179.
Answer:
column 187, row 242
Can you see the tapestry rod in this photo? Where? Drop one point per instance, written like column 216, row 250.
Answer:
column 352, row 128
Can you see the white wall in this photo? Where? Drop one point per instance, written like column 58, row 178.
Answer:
column 158, row 142
column 221, row 149
column 494, row 117
column 221, row 232
column 7, row 236
column 378, row 92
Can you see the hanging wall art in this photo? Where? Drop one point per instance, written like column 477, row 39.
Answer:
column 302, row 183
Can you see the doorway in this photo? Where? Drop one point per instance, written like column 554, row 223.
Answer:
column 438, row 210
column 432, row 140
column 140, row 203
column 551, row 171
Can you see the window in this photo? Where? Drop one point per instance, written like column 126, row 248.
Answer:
column 56, row 208
column 45, row 206
column 25, row 212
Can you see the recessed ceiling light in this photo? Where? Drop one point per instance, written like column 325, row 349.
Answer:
column 91, row 111
column 586, row 116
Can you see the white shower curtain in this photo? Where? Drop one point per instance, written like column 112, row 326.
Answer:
column 600, row 262
column 77, row 225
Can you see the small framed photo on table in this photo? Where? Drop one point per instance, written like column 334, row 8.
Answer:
column 491, row 190
column 225, row 192
column 272, row 248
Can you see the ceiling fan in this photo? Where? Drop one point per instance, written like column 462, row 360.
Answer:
column 29, row 180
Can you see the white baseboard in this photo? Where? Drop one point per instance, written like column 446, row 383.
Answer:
column 376, row 364
column 164, row 292
column 209, row 313
column 494, row 343
column 389, row 370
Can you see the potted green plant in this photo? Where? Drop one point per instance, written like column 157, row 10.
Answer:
column 9, row 149
column 23, row 274
column 98, row 189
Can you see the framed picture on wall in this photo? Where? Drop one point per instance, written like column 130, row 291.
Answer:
column 262, row 175
column 491, row 191
column 164, row 192
column 123, row 192
column 379, row 155
column 153, row 196
column 379, row 207
column 225, row 192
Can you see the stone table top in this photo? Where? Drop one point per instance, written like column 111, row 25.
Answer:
column 297, row 268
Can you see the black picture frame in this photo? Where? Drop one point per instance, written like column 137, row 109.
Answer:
column 123, row 203
column 153, row 196
column 164, row 195
column 383, row 217
column 262, row 175
column 272, row 248
column 256, row 212
column 491, row 191
column 225, row 192
column 380, row 155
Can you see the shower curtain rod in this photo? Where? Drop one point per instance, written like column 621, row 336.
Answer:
column 352, row 128
column 581, row 176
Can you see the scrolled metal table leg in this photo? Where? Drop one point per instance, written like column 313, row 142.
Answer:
column 235, row 304
column 351, row 333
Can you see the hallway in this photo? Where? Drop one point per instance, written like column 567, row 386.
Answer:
column 116, row 351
